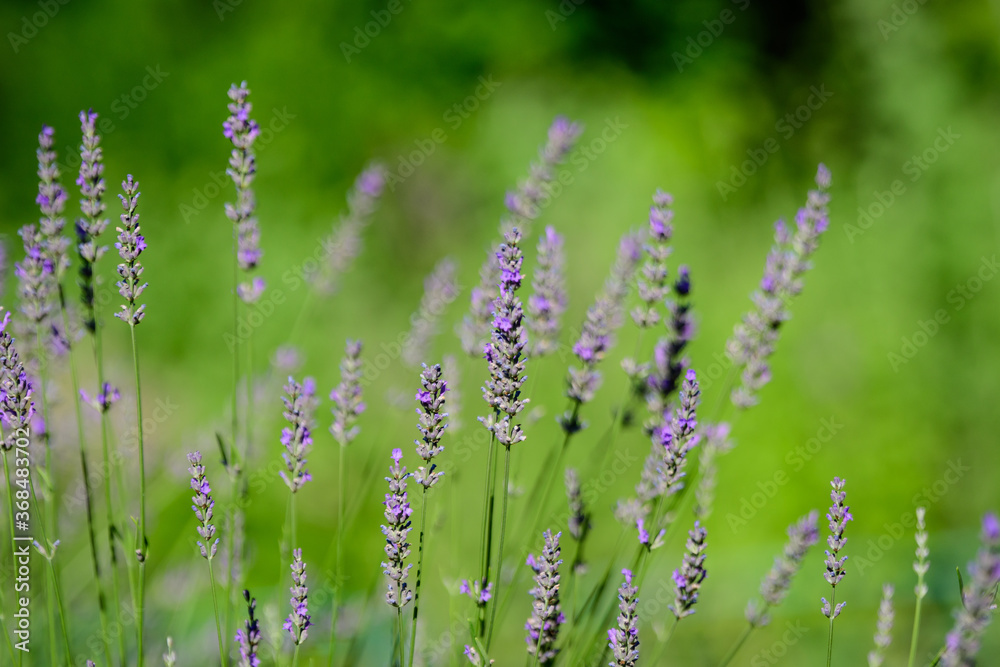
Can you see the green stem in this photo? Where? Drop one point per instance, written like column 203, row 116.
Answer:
column 399, row 633
column 487, row 528
column 341, row 474
column 503, row 533
column 916, row 625
column 215, row 602
column 833, row 615
column 737, row 646
column 293, row 544
column 234, row 463
column 141, row 546
column 420, row 569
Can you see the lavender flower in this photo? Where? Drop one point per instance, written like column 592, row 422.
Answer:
column 664, row 374
column 15, row 389
column 297, row 436
column 579, row 518
column 883, row 632
column 440, row 290
column 203, row 506
column 687, row 579
column 596, row 338
column 838, row 516
column 652, row 283
column 717, row 442
column 754, row 340
column 921, row 565
column 51, row 200
column 546, row 614
column 170, row 658
column 91, row 225
column 106, row 397
column 130, row 245
column 298, row 622
column 644, row 537
column 474, row 658
column 431, row 425
column 343, row 244
column 242, row 131
column 971, row 619
column 346, row 396
column 624, row 640
column 248, row 637
column 34, row 280
column 523, row 206
column 476, row 592
column 397, row 516
column 802, row 535
column 505, row 352
column 548, row 303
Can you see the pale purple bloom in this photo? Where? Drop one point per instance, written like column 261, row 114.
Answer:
column 716, row 442
column 346, row 396
column 440, row 289
column 645, row 539
column 474, row 658
column 579, row 517
column 298, row 621
column 653, row 283
column 203, row 506
column 978, row 600
column 51, row 201
column 91, row 225
column 297, row 436
column 921, row 565
column 664, row 374
column 546, row 612
column 476, row 592
column 802, row 535
column 130, row 245
column 883, row 631
column 34, row 280
column 838, row 517
column 548, row 303
column 624, row 640
column 242, row 131
column 248, row 637
column 106, row 397
column 16, row 405
column 431, row 425
column 397, row 531
column 688, row 579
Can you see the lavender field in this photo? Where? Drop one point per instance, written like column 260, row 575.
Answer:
column 515, row 333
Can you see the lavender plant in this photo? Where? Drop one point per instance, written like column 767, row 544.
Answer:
column 548, row 302
column 546, row 612
column 624, row 640
column 883, row 633
column 298, row 621
column 397, row 548
column 248, row 637
column 204, row 507
column 977, row 609
column 296, row 438
column 440, row 289
column 838, row 517
column 921, row 565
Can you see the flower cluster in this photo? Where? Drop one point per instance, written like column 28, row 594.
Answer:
column 51, row 201
column 978, row 598
column 130, row 245
column 106, row 397
column 242, row 131
column 397, row 516
column 431, row 424
column 346, row 396
column 440, row 289
column 802, row 535
column 579, row 518
column 203, row 506
column 248, row 637
column 548, row 303
column 476, row 592
column 546, row 613
column 687, row 579
column 91, row 225
column 883, row 629
column 665, row 372
column 624, row 640
column 15, row 389
column 921, row 565
column 838, row 517
column 298, row 621
column 297, row 436
column 34, row 279
column 652, row 283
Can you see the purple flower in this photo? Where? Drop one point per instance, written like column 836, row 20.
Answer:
column 300, row 403
column 548, row 303
column 431, row 425
column 977, row 610
column 130, row 245
column 883, row 632
column 664, row 374
column 91, row 225
column 476, row 592
column 801, row 536
column 396, row 531
column 203, row 506
column 51, row 201
column 249, row 637
column 652, row 283
column 624, row 640
column 546, row 613
column 298, row 621
column 688, row 579
column 34, row 280
column 754, row 339
column 106, row 397
column 838, row 517
column 16, row 406
column 346, row 396
column 579, row 517
column 440, row 289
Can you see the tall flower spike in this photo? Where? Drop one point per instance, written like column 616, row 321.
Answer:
column 579, row 518
column 546, row 612
column 300, row 403
column 346, row 396
column 343, row 244
column 688, row 579
column 505, row 351
column 624, row 640
column 242, row 131
column 883, row 631
column 15, row 389
column 838, row 516
column 523, row 207
column 432, row 424
column 921, row 565
column 652, row 283
column 802, row 535
column 34, row 281
column 248, row 637
column 547, row 305
column 440, row 289
column 665, row 372
column 603, row 318
column 91, row 225
column 203, row 506
column 130, row 245
column 978, row 600
column 51, row 201
column 298, row 621
column 716, row 443
column 397, row 530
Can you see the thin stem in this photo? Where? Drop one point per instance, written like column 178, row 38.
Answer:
column 295, row 655
column 234, row 464
column 141, row 546
column 487, row 528
column 399, row 633
column 420, row 568
column 503, row 533
column 737, row 646
column 215, row 602
column 340, row 561
column 916, row 625
column 291, row 503
column 833, row 615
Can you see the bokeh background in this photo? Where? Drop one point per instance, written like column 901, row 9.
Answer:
column 909, row 93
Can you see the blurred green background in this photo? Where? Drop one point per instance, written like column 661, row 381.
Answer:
column 895, row 78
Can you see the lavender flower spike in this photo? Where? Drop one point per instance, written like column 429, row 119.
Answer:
column 91, row 225
column 298, row 622
column 921, row 565
column 203, row 506
column 130, row 245
column 16, row 406
column 397, row 516
column 34, row 280
column 548, row 303
column 249, row 637
column 652, row 283
column 51, row 201
column 546, row 613
column 838, row 516
column 688, row 579
column 346, row 396
column 978, row 600
column 242, row 131
column 432, row 424
column 579, row 517
column 297, row 436
column 754, row 339
column 883, row 632
column 440, row 289
column 624, row 640
column 802, row 535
